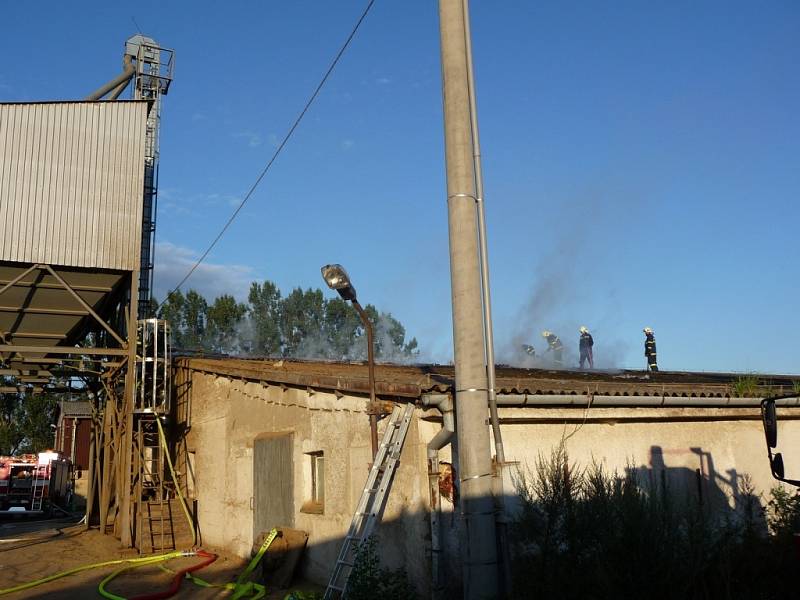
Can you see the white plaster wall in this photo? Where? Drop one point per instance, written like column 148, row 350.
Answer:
column 726, row 446
column 227, row 415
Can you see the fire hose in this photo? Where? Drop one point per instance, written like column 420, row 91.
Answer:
column 132, row 561
column 241, row 587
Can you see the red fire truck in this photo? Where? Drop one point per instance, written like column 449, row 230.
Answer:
column 33, row 483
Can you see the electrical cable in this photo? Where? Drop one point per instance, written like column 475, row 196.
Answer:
column 276, row 153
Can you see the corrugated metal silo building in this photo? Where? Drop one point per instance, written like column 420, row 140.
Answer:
column 72, row 186
column 71, row 189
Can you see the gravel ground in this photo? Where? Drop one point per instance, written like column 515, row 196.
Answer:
column 31, row 550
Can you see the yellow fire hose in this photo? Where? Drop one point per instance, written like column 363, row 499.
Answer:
column 241, row 587
column 121, row 561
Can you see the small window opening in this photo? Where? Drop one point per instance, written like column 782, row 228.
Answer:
column 316, row 466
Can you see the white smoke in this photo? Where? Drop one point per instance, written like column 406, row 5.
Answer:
column 315, row 346
column 571, row 286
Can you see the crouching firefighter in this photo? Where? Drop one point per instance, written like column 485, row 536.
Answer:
column 555, row 346
column 650, row 349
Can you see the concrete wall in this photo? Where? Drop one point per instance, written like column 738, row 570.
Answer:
column 706, row 451
column 713, row 453
column 226, row 417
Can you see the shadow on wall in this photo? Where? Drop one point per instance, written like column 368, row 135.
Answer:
column 652, row 532
column 720, row 496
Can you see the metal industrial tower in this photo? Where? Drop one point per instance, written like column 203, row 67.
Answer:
column 125, row 439
column 151, row 79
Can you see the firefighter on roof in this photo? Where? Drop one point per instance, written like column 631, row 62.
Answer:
column 585, row 347
column 555, row 346
column 650, row 349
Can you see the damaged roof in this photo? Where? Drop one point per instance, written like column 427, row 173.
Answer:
column 412, row 381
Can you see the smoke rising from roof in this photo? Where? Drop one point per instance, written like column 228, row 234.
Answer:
column 570, row 285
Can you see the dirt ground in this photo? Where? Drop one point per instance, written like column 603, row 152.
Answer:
column 30, row 550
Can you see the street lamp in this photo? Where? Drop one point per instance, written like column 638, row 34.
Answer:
column 338, row 279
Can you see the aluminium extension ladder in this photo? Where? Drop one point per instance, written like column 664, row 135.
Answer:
column 372, row 499
column 40, row 480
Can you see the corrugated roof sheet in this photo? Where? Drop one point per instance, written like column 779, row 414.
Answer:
column 413, row 381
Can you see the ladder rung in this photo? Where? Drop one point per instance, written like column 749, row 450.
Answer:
column 336, row 587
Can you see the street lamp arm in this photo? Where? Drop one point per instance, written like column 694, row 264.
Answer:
column 373, row 419
column 370, row 347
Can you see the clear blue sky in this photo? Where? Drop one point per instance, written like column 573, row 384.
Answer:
column 642, row 160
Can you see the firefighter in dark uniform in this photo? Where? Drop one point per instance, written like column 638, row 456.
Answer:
column 585, row 347
column 650, row 349
column 555, row 346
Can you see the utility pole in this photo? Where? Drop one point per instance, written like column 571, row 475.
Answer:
column 479, row 554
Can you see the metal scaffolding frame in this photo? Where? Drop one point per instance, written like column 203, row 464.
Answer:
column 109, row 379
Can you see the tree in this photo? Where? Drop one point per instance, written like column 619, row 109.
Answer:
column 390, row 339
column 265, row 318
column 39, row 412
column 195, row 315
column 302, row 316
column 11, row 434
column 25, row 422
column 304, row 324
column 223, row 318
column 172, row 310
column 342, row 329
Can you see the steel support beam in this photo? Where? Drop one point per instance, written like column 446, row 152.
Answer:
column 128, row 502
column 35, row 335
column 44, row 311
column 62, row 350
column 53, row 286
column 16, row 280
column 25, row 372
column 84, row 304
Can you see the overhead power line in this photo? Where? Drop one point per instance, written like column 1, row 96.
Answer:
column 276, row 153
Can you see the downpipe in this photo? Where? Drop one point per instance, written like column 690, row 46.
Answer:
column 444, row 404
column 501, row 519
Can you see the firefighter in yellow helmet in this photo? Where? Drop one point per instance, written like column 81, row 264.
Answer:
column 555, row 346
column 650, row 349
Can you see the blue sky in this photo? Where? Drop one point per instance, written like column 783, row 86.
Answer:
column 641, row 160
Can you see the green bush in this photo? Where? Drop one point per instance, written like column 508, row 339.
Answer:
column 369, row 580
column 746, row 386
column 299, row 595
column 585, row 533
